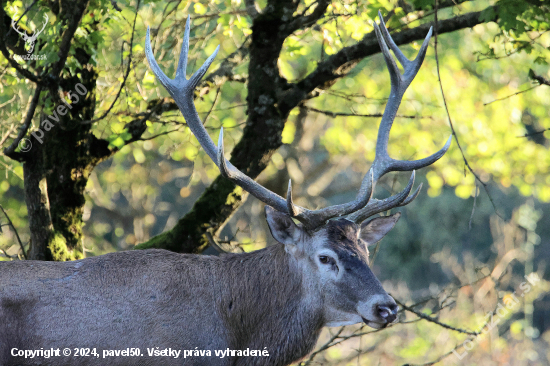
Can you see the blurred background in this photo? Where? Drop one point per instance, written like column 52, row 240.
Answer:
column 458, row 257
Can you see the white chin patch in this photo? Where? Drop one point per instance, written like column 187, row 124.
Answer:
column 375, row 325
column 342, row 323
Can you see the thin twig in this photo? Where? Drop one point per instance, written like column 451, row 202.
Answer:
column 374, row 115
column 435, row 321
column 324, row 347
column 511, row 95
column 7, row 134
column 26, row 123
column 212, row 106
column 157, row 135
column 485, row 186
column 125, row 76
column 7, row 255
column 8, row 102
column 535, row 133
column 473, row 210
column 439, row 359
column 219, row 14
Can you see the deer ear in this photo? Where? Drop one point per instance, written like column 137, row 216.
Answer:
column 374, row 230
column 282, row 228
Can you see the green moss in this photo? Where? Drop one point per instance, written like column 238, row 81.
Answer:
column 235, row 198
column 58, row 247
column 157, row 242
column 59, row 250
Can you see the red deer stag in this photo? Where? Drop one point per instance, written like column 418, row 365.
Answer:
column 155, row 307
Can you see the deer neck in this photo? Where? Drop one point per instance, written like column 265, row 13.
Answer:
column 265, row 304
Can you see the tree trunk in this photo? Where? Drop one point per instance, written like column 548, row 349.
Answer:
column 252, row 154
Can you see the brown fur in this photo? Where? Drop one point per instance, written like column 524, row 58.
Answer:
column 158, row 298
column 276, row 299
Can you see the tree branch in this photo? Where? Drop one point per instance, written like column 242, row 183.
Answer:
column 302, row 21
column 10, row 150
column 485, row 186
column 372, row 115
column 541, row 79
column 74, row 18
column 128, row 69
column 339, row 64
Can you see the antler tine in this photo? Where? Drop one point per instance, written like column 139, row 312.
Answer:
column 181, row 71
column 182, row 90
column 383, row 163
column 411, row 198
column 399, row 84
column 221, row 162
column 411, row 67
column 375, row 206
column 293, row 210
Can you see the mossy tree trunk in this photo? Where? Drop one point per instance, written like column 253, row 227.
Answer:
column 57, row 166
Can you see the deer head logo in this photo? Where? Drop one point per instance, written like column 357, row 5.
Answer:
column 29, row 40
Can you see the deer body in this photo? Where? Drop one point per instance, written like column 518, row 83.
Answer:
column 156, row 298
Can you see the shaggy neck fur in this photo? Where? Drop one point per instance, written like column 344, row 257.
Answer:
column 264, row 303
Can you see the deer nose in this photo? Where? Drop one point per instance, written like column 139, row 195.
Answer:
column 387, row 312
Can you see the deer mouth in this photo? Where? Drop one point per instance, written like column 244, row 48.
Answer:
column 373, row 324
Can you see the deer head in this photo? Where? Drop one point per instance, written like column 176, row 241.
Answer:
column 332, row 255
column 29, row 40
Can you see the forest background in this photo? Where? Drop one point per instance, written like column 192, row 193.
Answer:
column 299, row 87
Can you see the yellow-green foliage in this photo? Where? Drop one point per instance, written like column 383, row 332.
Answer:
column 58, row 247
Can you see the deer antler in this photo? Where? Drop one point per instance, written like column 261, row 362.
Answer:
column 383, row 163
column 182, row 89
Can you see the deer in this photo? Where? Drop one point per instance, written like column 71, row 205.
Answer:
column 29, row 40
column 266, row 307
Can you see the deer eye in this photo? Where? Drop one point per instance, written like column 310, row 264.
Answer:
column 324, row 259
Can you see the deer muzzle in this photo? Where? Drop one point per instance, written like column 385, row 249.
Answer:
column 378, row 311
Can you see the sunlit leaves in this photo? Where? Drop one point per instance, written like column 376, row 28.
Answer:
column 490, row 134
column 199, row 8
